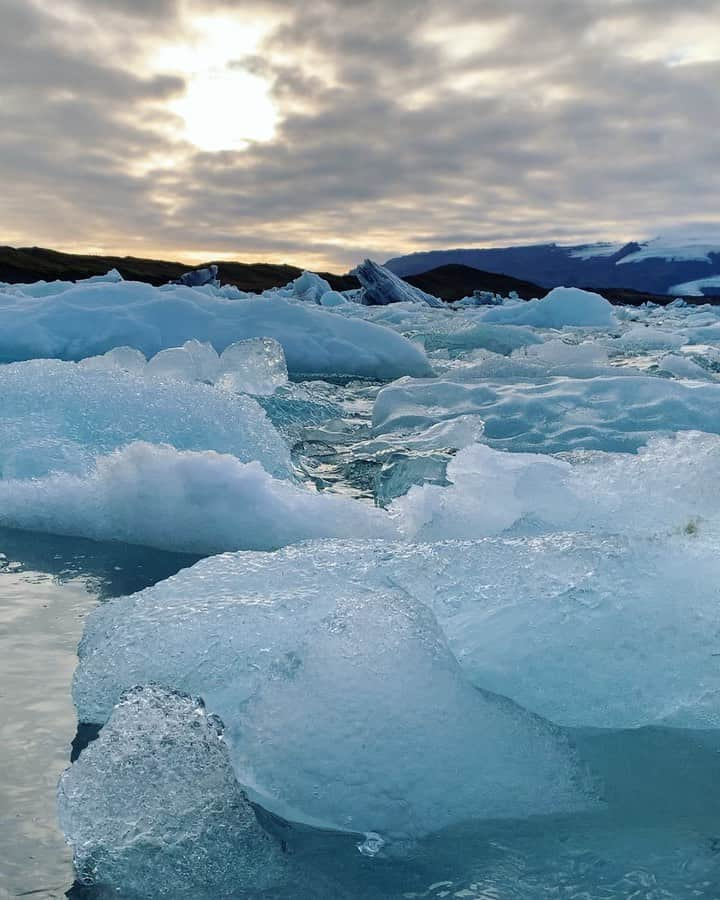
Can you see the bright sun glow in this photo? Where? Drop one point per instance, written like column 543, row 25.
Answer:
column 224, row 107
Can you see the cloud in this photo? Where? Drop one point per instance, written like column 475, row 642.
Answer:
column 481, row 121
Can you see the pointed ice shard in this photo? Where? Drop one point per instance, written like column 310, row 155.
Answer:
column 383, row 287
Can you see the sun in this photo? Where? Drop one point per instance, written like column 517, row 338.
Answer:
column 224, row 106
column 226, row 110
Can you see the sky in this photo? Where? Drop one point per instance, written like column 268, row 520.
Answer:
column 321, row 132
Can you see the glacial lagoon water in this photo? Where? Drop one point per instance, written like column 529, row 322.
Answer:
column 47, row 586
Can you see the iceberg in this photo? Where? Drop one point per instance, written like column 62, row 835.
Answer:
column 563, row 307
column 188, row 502
column 381, row 287
column 516, row 612
column 152, row 807
column 89, row 319
column 325, row 697
column 60, row 416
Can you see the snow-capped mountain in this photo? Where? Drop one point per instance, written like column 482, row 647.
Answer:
column 676, row 262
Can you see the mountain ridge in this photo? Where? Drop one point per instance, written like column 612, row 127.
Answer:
column 657, row 266
column 449, row 282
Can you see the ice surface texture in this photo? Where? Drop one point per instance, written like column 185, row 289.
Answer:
column 89, row 319
column 608, row 412
column 344, row 709
column 381, row 287
column 152, row 806
column 584, row 629
column 192, row 502
column 660, row 491
column 61, row 416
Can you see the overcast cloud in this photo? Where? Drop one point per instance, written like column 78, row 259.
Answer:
column 401, row 126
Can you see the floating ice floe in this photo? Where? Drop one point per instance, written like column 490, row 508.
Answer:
column 60, row 416
column 326, row 697
column 153, row 808
column 89, row 319
column 189, row 502
column 561, row 308
column 607, row 412
column 585, row 629
column 659, row 491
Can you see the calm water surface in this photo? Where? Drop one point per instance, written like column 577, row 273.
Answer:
column 47, row 586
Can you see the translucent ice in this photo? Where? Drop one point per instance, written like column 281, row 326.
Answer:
column 152, row 807
column 584, row 629
column 88, row 319
column 369, row 725
column 60, row 415
column 255, row 366
column 327, row 702
column 124, row 358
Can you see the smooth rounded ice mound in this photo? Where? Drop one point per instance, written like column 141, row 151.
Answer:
column 152, row 807
column 516, row 612
column 86, row 320
column 183, row 501
column 59, row 416
column 342, row 709
column 370, row 725
column 562, row 307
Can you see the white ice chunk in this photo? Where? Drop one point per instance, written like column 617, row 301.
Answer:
column 192, row 502
column 659, row 491
column 560, row 308
column 89, row 319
